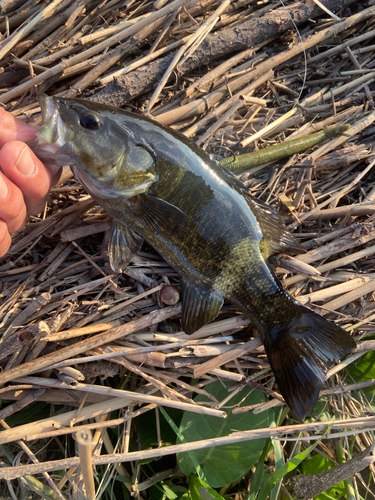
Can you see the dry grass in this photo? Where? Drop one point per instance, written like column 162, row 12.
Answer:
column 62, row 308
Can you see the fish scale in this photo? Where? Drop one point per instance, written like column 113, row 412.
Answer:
column 159, row 186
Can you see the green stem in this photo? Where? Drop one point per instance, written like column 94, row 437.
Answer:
column 279, row 151
column 341, row 459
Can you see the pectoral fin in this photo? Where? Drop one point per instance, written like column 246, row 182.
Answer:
column 158, row 214
column 123, row 245
column 276, row 237
column 198, row 307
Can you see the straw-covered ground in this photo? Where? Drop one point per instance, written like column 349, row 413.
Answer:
column 88, row 355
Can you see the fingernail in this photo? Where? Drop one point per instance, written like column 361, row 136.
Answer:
column 3, row 188
column 25, row 163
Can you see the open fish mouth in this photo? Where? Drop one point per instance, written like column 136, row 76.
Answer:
column 53, row 137
column 54, row 129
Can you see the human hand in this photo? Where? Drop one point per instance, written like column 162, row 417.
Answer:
column 24, row 180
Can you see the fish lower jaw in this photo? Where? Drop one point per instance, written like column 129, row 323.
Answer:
column 50, row 153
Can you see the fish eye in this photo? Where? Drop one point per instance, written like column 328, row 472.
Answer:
column 90, row 121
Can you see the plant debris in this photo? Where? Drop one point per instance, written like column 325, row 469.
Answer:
column 229, row 75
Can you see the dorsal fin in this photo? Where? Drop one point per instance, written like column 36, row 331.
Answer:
column 276, row 237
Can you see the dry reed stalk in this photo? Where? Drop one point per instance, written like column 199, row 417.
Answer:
column 128, row 395
column 84, row 345
column 332, row 291
column 95, row 425
column 233, row 353
column 47, row 12
column 350, row 297
column 355, row 425
column 84, row 438
column 187, row 49
column 185, row 112
column 82, row 303
column 336, row 263
column 34, row 459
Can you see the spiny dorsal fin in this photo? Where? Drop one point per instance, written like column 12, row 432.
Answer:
column 123, row 245
column 198, row 307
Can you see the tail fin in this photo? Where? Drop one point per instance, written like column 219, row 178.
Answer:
column 301, row 353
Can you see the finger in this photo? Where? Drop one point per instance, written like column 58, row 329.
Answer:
column 55, row 175
column 12, row 205
column 26, row 171
column 5, row 239
column 12, row 129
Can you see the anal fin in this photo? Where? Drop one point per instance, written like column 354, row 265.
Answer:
column 123, row 245
column 199, row 307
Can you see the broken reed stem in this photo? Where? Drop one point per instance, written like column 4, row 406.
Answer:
column 204, row 29
column 68, row 63
column 84, row 438
column 356, row 425
column 129, row 395
column 27, row 28
column 91, row 343
column 201, row 105
column 233, row 353
column 96, row 425
column 34, row 459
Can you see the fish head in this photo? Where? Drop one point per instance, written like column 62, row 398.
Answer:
column 88, row 137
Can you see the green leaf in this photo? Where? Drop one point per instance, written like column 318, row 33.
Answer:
column 279, row 463
column 171, row 495
column 259, row 472
column 198, row 469
column 199, row 490
column 222, row 465
column 317, row 464
column 361, row 370
column 167, row 490
column 364, row 367
column 35, row 411
column 147, row 433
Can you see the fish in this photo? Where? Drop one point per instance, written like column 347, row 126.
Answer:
column 158, row 185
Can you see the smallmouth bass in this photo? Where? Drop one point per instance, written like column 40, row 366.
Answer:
column 160, row 186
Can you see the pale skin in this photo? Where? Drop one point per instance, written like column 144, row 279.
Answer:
column 24, row 180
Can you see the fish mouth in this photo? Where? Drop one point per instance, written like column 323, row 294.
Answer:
column 53, row 137
column 54, row 130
